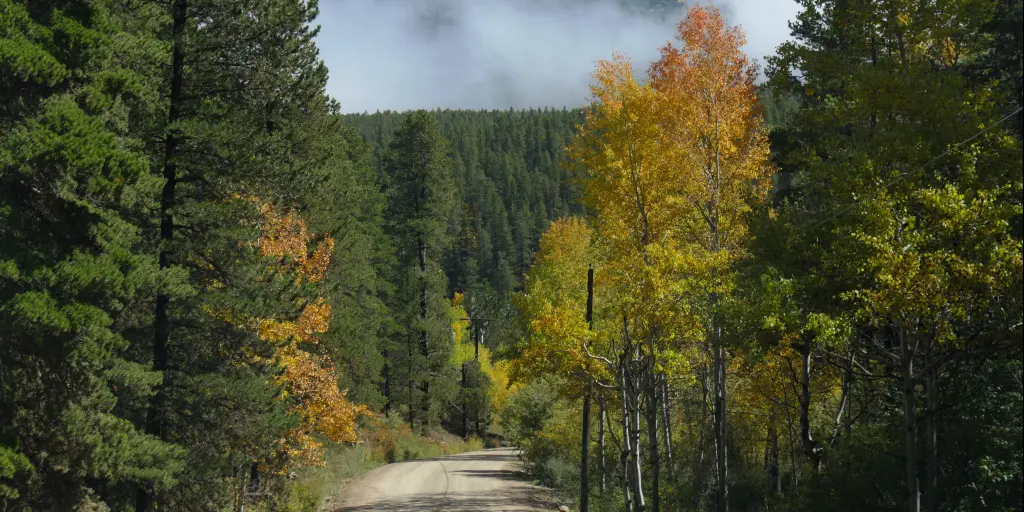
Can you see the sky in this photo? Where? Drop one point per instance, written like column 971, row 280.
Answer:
column 500, row 54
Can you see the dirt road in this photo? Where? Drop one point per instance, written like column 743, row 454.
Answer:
column 481, row 481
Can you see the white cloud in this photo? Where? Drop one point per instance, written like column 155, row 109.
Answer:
column 408, row 54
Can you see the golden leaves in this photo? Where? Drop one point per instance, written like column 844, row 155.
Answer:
column 465, row 350
column 715, row 132
column 286, row 237
column 309, row 382
column 315, row 319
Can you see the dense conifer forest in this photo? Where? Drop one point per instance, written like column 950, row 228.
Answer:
column 711, row 287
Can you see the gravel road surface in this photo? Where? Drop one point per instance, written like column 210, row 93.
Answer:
column 482, row 481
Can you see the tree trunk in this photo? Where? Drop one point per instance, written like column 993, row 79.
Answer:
column 626, row 450
column 585, row 443
column 910, row 422
column 387, row 385
column 631, row 404
column 162, row 324
column 476, row 357
column 810, row 446
column 705, row 414
column 585, row 455
column 411, row 385
column 793, row 468
column 772, row 457
column 638, row 487
column 720, row 431
column 603, row 417
column 653, row 411
column 424, row 347
column 666, row 422
column 465, row 405
column 478, row 334
column 931, row 438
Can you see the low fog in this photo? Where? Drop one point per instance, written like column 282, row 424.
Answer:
column 497, row 54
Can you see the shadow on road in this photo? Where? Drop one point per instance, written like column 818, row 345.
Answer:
column 489, row 480
column 508, row 501
column 486, row 473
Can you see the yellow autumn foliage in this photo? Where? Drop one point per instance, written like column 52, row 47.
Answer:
column 496, row 371
column 307, row 380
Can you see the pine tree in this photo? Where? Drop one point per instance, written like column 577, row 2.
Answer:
column 421, row 204
column 245, row 112
column 74, row 276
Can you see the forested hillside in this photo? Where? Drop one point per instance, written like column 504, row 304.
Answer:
column 510, row 180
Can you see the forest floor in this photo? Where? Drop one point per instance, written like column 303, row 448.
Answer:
column 480, row 481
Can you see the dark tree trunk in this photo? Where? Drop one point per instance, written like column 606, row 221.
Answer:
column 465, row 404
column 476, row 415
column 772, row 457
column 424, row 347
column 162, row 324
column 931, row 438
column 387, row 385
column 411, row 385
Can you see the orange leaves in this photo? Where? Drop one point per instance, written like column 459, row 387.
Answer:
column 311, row 381
column 315, row 319
column 314, row 267
column 715, row 132
column 286, row 237
column 308, row 382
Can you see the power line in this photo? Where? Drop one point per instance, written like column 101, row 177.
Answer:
column 922, row 167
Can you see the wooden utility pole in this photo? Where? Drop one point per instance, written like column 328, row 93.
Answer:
column 476, row 356
column 465, row 404
column 585, row 446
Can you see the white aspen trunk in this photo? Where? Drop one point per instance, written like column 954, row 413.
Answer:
column 638, row 487
column 666, row 422
column 624, row 458
column 910, row 422
column 602, row 418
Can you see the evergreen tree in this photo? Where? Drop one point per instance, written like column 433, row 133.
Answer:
column 421, row 205
column 509, row 178
column 74, row 276
column 245, row 115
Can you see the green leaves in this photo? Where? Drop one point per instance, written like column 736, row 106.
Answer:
column 11, row 464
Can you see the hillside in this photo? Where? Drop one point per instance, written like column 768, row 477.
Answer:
column 508, row 167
